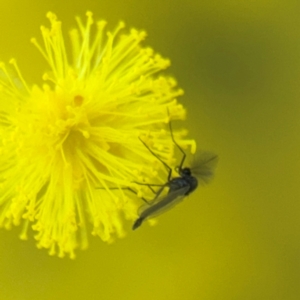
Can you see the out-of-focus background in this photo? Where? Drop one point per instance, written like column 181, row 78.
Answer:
column 239, row 237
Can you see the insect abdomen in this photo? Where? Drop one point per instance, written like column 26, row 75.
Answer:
column 137, row 223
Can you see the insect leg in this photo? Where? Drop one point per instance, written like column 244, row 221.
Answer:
column 155, row 155
column 126, row 188
column 173, row 139
column 157, row 193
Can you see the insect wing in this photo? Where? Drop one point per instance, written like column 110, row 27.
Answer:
column 156, row 198
column 163, row 204
column 203, row 166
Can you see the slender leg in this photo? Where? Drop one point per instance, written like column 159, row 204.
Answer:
column 149, row 185
column 126, row 188
column 183, row 153
column 155, row 155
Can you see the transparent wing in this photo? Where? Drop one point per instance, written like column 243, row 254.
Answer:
column 162, row 204
column 203, row 166
column 156, row 198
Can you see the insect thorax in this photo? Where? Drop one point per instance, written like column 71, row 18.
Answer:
column 184, row 181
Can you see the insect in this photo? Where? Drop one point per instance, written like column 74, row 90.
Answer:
column 179, row 187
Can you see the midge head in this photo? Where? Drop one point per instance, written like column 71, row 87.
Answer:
column 184, row 171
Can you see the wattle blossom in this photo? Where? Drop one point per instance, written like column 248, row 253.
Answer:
column 71, row 148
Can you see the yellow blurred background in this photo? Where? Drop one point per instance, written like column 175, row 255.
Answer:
column 239, row 237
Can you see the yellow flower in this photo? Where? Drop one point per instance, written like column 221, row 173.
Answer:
column 71, row 147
